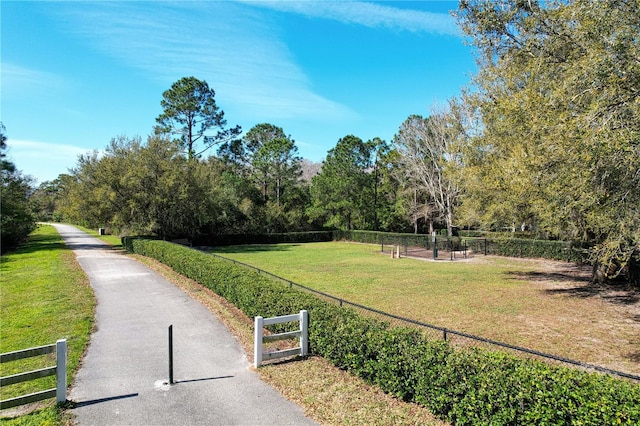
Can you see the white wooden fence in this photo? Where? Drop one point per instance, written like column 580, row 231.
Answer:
column 59, row 370
column 260, row 338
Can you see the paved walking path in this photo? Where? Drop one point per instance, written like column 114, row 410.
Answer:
column 123, row 378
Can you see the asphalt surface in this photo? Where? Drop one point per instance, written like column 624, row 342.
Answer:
column 124, row 377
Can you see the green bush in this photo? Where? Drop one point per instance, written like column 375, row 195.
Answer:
column 239, row 239
column 467, row 386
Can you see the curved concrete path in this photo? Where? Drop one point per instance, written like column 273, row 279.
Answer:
column 124, row 375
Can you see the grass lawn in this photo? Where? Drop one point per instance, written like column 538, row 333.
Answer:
column 518, row 301
column 45, row 296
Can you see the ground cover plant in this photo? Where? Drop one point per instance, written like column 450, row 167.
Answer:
column 460, row 385
column 543, row 305
column 45, row 297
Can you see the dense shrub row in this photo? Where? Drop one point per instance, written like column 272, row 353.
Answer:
column 463, row 386
column 521, row 247
column 240, row 239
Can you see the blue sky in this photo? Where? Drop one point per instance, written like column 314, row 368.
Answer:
column 76, row 74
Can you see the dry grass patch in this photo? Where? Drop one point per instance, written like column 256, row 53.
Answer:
column 325, row 393
column 334, row 397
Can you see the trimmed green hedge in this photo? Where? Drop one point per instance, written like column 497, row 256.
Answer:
column 285, row 237
column 463, row 386
column 521, row 247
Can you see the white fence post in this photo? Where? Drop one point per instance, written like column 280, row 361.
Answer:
column 61, row 370
column 304, row 333
column 257, row 343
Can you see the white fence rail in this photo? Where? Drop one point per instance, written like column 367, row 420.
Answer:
column 59, row 370
column 302, row 334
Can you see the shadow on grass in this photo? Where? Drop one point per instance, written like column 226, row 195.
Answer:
column 250, row 248
column 38, row 242
column 561, row 276
column 634, row 356
column 611, row 294
column 583, row 287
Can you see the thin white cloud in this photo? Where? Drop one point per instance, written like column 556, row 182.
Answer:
column 233, row 47
column 367, row 14
column 43, row 159
column 26, row 149
column 18, row 80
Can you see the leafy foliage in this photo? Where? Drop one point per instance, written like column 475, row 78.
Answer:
column 17, row 219
column 190, row 110
column 269, row 158
column 343, row 192
column 557, row 94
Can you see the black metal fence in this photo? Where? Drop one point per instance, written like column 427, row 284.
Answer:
column 417, row 244
column 434, row 332
column 425, row 246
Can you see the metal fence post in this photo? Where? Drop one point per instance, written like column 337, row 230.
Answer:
column 171, row 354
column 435, row 247
column 61, row 370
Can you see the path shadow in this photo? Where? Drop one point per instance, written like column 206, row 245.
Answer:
column 101, row 400
column 202, row 380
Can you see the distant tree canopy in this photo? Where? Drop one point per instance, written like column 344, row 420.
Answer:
column 17, row 219
column 266, row 155
column 151, row 187
column 429, row 160
column 343, row 191
column 189, row 112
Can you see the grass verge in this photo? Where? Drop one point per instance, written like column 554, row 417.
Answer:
column 325, row 393
column 45, row 297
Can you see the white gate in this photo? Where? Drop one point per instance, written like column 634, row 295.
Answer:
column 260, row 338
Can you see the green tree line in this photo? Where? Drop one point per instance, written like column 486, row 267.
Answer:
column 545, row 139
column 17, row 215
